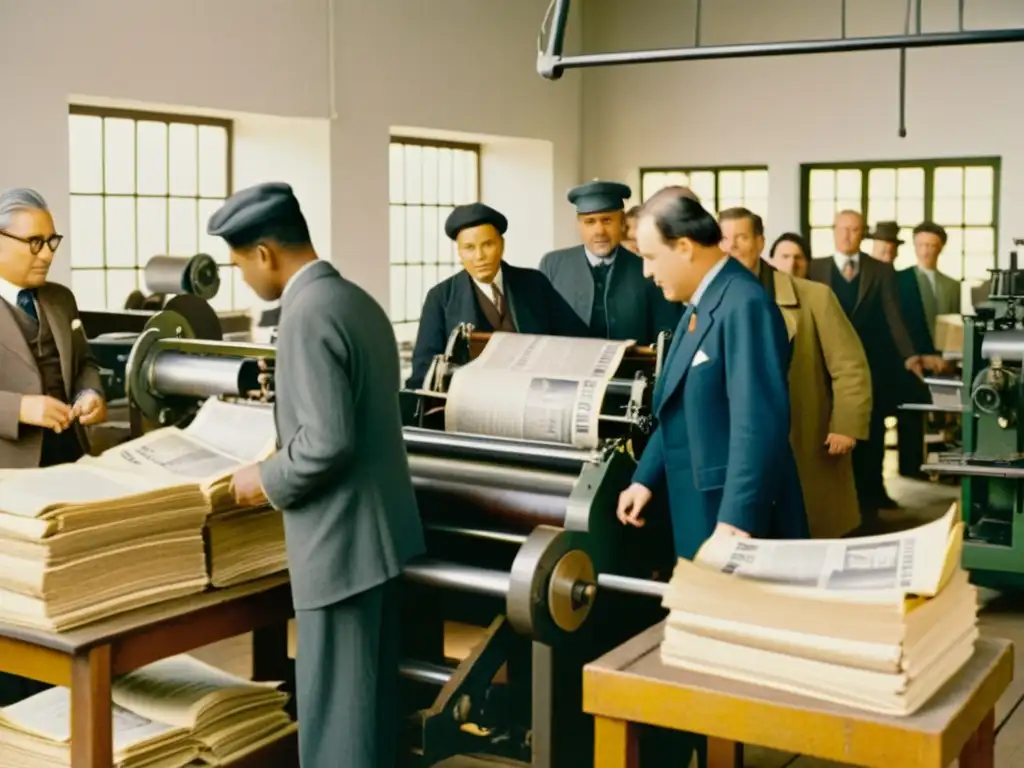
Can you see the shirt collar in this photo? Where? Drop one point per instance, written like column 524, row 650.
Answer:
column 842, row 259
column 486, row 287
column 596, row 261
column 9, row 292
column 710, row 275
column 293, row 278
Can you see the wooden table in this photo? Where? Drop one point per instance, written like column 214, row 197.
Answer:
column 630, row 686
column 87, row 659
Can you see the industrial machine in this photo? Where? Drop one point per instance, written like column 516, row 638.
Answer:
column 522, row 541
column 991, row 461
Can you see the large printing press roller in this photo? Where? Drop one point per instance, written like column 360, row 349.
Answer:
column 521, row 537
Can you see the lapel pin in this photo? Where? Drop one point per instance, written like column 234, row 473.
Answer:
column 693, row 323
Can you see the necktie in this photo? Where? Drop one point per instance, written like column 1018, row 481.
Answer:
column 27, row 303
column 849, row 269
column 496, row 298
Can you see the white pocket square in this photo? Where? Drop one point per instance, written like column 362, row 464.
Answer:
column 700, row 357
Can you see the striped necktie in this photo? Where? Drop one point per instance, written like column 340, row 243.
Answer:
column 497, row 299
column 849, row 269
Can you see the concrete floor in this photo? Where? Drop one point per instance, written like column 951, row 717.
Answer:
column 921, row 502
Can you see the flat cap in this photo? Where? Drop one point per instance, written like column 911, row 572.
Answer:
column 252, row 207
column 474, row 215
column 599, row 196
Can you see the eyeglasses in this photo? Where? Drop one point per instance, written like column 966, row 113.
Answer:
column 35, row 243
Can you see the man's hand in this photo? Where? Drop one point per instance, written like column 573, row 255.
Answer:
column 915, row 365
column 631, row 505
column 936, row 364
column 45, row 411
column 90, row 408
column 839, row 445
column 247, row 488
column 724, row 529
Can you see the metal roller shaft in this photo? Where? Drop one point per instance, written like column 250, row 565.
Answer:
column 478, row 533
column 464, row 578
column 179, row 374
column 425, row 672
column 523, row 452
column 1008, row 345
column 472, row 473
column 631, row 585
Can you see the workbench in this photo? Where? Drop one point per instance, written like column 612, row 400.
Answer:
column 86, row 660
column 630, row 687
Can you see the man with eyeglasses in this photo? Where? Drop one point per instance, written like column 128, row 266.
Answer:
column 49, row 383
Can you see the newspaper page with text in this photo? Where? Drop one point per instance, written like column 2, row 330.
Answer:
column 872, row 568
column 529, row 387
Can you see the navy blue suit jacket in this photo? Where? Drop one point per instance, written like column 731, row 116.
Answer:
column 721, row 445
column 535, row 305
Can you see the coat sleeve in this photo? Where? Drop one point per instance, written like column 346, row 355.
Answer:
column 562, row 318
column 323, row 445
column 431, row 337
column 87, row 369
column 10, row 415
column 756, row 369
column 893, row 312
column 650, row 472
column 547, row 266
column 847, row 367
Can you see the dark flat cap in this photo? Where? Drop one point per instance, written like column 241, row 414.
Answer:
column 253, row 207
column 599, row 196
column 474, row 215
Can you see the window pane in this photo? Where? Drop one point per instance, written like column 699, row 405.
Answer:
column 413, row 173
column 413, row 292
column 429, row 280
column 848, row 204
column 445, row 247
column 413, row 235
column 882, row 183
column 910, row 182
column 459, row 173
column 182, row 217
column 948, row 210
column 429, row 175
column 755, row 184
column 86, row 231
column 119, row 156
column 214, row 246
column 979, row 181
column 397, row 298
column 730, row 184
column 472, row 191
column 822, row 242
column 89, row 287
column 430, row 239
column 758, row 205
column 954, row 245
column 952, row 266
column 243, row 297
column 445, row 176
column 120, row 282
column 905, row 256
column 910, row 210
column 151, row 228
column 396, row 239
column 978, row 240
column 184, row 159
column 224, row 299
column 151, row 157
column 848, row 184
column 883, row 209
column 822, row 184
column 213, row 161
column 703, row 184
column 85, row 150
column 822, row 213
column 120, row 232
column 949, row 183
column 978, row 210
column 976, row 267
column 396, row 178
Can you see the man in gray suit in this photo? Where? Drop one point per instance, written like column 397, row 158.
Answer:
column 340, row 475
column 602, row 280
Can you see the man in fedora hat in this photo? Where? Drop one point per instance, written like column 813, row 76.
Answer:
column 886, row 239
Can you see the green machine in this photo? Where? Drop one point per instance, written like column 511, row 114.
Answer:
column 990, row 462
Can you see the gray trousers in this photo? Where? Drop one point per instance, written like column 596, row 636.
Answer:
column 346, row 676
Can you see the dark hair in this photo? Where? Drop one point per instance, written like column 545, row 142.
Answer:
column 931, row 228
column 677, row 215
column 791, row 237
column 734, row 214
column 292, row 232
column 633, row 212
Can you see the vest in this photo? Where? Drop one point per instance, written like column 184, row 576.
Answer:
column 598, row 313
column 57, row 448
column 498, row 322
column 846, row 291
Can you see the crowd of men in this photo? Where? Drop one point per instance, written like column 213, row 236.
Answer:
column 769, row 409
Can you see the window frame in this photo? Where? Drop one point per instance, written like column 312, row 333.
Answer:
column 715, row 169
column 168, row 118
column 928, row 165
column 416, row 141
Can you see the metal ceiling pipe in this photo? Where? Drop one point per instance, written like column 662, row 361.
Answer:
column 551, row 64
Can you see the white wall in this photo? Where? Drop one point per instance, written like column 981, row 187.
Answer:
column 786, row 111
column 514, row 175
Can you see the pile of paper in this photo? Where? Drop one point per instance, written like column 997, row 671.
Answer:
column 877, row 623
column 168, row 715
column 82, row 542
column 245, row 544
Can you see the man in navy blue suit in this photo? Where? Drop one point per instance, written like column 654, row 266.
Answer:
column 721, row 445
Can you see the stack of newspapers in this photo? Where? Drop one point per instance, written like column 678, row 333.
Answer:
column 879, row 623
column 172, row 713
column 85, row 541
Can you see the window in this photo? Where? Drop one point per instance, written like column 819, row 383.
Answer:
column 142, row 185
column 960, row 194
column 428, row 179
column 718, row 188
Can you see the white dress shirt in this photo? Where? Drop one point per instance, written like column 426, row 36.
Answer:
column 842, row 259
column 596, row 261
column 486, row 287
column 9, row 292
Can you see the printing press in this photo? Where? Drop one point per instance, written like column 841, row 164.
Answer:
column 991, row 461
column 521, row 538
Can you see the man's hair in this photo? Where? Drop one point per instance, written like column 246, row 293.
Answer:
column 633, row 212
column 677, row 214
column 735, row 214
column 791, row 237
column 292, row 232
column 931, row 228
column 19, row 199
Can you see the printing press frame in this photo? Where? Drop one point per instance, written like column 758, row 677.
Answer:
column 519, row 536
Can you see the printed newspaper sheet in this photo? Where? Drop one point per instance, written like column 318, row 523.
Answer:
column 528, row 387
column 918, row 561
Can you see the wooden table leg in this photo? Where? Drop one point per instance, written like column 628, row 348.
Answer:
column 92, row 743
column 980, row 749
column 615, row 744
column 724, row 754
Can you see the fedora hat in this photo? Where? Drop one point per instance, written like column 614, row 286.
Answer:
column 887, row 232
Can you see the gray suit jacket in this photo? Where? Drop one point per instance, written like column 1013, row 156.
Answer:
column 341, row 474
